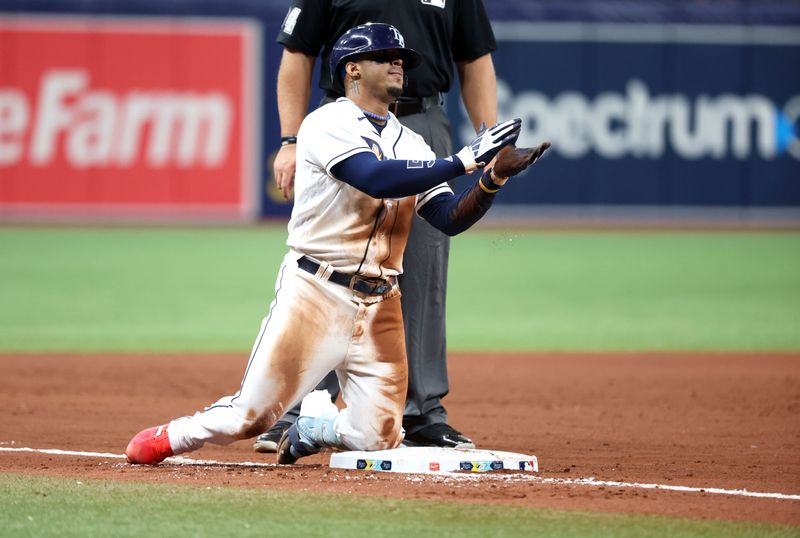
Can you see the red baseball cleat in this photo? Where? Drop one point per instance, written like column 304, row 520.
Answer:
column 149, row 446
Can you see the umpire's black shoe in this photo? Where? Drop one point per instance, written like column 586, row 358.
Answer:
column 438, row 434
column 268, row 442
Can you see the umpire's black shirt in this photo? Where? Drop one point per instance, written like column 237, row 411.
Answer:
column 442, row 31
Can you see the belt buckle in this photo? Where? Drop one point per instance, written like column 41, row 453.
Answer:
column 352, row 284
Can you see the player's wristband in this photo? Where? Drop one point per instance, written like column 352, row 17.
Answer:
column 465, row 156
column 487, row 185
column 286, row 140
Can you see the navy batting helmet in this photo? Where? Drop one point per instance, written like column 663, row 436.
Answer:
column 367, row 38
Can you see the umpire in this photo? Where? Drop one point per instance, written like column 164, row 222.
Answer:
column 445, row 32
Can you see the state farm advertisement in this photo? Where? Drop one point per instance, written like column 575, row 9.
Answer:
column 126, row 117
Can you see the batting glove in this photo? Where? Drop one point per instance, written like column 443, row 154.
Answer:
column 488, row 142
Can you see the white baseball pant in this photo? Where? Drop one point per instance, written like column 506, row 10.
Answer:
column 315, row 326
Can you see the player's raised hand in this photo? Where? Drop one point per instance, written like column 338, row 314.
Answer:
column 512, row 160
column 488, row 142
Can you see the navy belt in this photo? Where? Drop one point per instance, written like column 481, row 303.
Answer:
column 368, row 286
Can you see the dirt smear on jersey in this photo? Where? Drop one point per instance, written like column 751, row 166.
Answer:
column 709, row 420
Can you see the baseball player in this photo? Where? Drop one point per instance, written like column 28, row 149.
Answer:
column 361, row 176
column 457, row 38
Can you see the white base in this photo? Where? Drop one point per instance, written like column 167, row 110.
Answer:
column 432, row 460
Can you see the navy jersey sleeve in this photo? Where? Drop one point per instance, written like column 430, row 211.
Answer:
column 452, row 214
column 472, row 32
column 305, row 26
column 394, row 178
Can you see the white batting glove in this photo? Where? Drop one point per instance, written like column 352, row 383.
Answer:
column 488, row 142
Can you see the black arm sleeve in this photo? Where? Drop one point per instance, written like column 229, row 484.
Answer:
column 454, row 214
column 394, row 178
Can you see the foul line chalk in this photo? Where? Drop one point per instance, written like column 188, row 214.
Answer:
column 174, row 460
column 516, row 477
column 668, row 487
column 58, row 452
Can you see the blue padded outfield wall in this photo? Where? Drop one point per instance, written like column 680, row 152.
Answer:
column 653, row 114
column 665, row 103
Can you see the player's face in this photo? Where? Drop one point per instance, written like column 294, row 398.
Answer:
column 384, row 70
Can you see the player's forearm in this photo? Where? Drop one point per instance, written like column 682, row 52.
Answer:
column 452, row 214
column 294, row 90
column 479, row 90
column 395, row 178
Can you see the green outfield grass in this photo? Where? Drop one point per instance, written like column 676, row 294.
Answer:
column 70, row 507
column 152, row 289
column 625, row 291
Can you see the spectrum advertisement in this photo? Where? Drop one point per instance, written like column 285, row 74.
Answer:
column 652, row 114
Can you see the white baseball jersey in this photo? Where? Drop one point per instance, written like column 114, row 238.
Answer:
column 333, row 221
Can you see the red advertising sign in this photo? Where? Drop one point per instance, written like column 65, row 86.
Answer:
column 137, row 117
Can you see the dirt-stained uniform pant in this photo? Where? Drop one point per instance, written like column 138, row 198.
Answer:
column 315, row 326
column 424, row 285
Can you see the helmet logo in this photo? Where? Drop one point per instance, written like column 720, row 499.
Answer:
column 398, row 36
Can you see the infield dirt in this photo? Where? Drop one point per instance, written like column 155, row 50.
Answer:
column 702, row 420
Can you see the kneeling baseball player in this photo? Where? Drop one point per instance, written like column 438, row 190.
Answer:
column 360, row 176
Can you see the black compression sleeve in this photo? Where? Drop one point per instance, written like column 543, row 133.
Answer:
column 394, row 178
column 453, row 214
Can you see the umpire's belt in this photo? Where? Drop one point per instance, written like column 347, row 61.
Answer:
column 367, row 286
column 405, row 106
